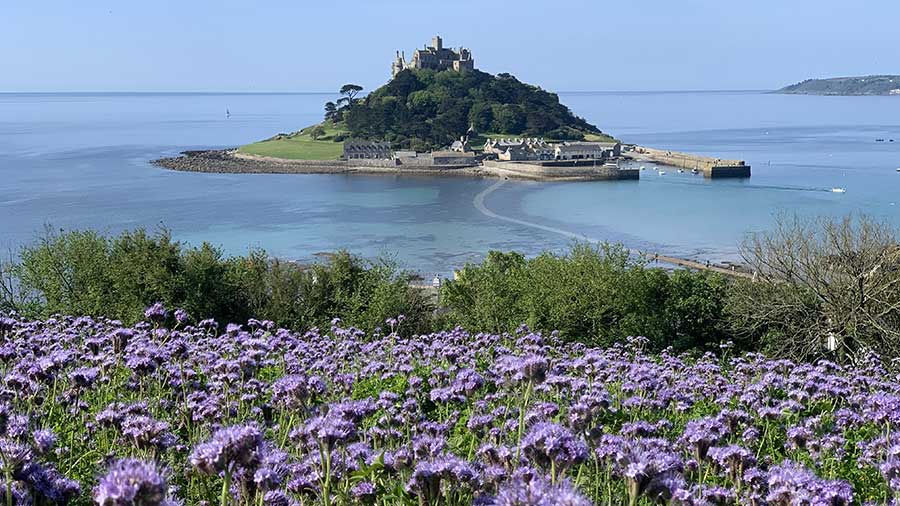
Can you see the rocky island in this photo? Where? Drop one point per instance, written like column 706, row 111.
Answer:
column 440, row 115
column 846, row 86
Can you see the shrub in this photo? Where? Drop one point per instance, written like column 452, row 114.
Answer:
column 596, row 294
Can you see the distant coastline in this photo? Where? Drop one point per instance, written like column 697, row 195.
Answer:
column 858, row 86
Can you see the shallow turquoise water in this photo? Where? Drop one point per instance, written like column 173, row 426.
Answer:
column 80, row 161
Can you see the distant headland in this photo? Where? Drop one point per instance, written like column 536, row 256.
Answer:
column 440, row 115
column 846, row 86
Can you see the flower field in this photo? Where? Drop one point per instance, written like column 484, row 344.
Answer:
column 167, row 413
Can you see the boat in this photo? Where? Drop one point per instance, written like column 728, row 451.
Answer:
column 680, row 171
column 838, row 190
column 898, row 169
column 662, row 173
column 695, row 171
column 642, row 167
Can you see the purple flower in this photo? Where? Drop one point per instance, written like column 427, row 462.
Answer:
column 44, row 441
column 84, row 377
column 733, row 459
column 230, row 448
column 156, row 313
column 363, row 492
column 294, row 391
column 549, row 444
column 181, row 316
column 890, row 468
column 131, row 482
column 791, row 483
column 699, row 435
column 537, row 491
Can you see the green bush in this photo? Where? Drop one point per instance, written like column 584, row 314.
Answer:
column 598, row 295
column 82, row 272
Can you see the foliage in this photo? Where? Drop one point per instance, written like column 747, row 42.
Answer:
column 317, row 131
column 600, row 295
column 86, row 273
column 821, row 280
column 175, row 411
column 425, row 109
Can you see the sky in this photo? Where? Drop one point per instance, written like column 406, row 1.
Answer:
column 561, row 45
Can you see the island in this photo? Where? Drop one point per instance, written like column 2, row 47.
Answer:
column 846, row 86
column 440, row 115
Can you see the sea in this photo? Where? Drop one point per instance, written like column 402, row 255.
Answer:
column 81, row 161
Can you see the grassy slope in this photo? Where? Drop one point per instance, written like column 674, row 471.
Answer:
column 299, row 146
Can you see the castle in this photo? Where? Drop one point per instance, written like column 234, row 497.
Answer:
column 435, row 57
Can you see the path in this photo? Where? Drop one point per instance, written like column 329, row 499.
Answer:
column 478, row 202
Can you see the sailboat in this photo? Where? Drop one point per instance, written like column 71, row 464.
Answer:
column 227, row 113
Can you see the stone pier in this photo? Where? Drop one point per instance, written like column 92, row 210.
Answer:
column 710, row 167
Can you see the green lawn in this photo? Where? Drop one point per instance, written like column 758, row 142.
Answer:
column 599, row 138
column 299, row 146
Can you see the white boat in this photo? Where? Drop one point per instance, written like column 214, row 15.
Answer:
column 695, row 171
column 642, row 167
column 680, row 171
column 838, row 190
column 898, row 169
column 662, row 173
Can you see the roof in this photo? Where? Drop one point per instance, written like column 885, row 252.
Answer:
column 591, row 145
column 366, row 146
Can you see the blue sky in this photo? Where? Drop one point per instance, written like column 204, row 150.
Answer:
column 562, row 45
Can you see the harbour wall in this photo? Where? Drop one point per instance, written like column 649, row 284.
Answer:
column 552, row 170
column 711, row 167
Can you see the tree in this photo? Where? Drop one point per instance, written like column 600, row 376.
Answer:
column 509, row 119
column 481, row 116
column 331, row 111
column 821, row 286
column 316, row 132
column 349, row 92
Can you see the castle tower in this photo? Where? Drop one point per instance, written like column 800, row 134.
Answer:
column 437, row 42
column 399, row 64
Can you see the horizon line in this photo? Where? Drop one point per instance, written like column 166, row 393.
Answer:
column 288, row 92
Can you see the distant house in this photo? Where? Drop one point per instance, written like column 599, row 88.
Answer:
column 519, row 149
column 587, row 150
column 367, row 150
column 461, row 145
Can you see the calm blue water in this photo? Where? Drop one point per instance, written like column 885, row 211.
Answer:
column 80, row 161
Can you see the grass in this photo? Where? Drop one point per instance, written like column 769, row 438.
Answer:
column 600, row 138
column 300, row 146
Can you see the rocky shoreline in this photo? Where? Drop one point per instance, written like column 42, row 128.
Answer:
column 232, row 161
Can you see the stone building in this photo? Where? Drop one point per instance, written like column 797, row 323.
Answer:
column 435, row 57
column 519, row 149
column 587, row 150
column 461, row 145
column 367, row 150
